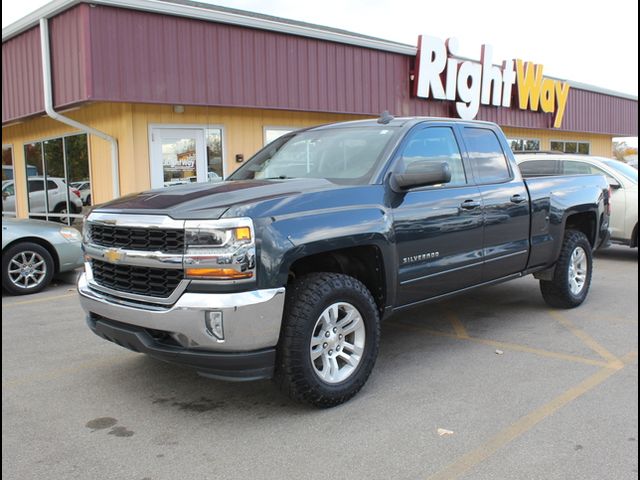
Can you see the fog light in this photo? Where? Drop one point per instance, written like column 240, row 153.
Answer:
column 213, row 323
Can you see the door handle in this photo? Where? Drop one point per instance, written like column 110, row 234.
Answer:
column 517, row 198
column 469, row 204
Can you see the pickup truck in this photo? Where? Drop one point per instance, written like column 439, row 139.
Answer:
column 287, row 269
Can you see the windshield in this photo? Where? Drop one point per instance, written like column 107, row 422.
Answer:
column 347, row 155
column 626, row 170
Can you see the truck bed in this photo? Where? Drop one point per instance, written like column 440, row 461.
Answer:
column 553, row 199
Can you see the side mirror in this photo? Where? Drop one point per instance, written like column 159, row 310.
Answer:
column 5, row 195
column 614, row 184
column 420, row 173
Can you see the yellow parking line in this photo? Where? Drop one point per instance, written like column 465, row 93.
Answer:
column 506, row 345
column 40, row 299
column 588, row 340
column 458, row 327
column 629, row 358
column 474, row 457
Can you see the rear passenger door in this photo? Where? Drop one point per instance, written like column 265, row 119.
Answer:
column 438, row 229
column 505, row 203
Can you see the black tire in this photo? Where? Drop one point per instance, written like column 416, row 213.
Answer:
column 88, row 200
column 26, row 248
column 557, row 292
column 307, row 299
column 62, row 208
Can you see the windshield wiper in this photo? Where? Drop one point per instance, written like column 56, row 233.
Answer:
column 279, row 177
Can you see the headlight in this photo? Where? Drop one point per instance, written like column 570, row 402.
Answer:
column 71, row 234
column 85, row 229
column 221, row 250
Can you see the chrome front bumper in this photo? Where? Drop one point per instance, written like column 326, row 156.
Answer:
column 251, row 319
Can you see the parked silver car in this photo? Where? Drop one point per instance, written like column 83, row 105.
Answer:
column 621, row 177
column 33, row 251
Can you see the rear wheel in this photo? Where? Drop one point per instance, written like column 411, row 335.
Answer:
column 572, row 276
column 26, row 268
column 329, row 341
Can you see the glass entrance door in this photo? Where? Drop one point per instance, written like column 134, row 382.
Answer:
column 178, row 156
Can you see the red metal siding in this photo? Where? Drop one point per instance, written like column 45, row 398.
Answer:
column 111, row 54
column 70, row 67
column 22, row 89
column 22, row 93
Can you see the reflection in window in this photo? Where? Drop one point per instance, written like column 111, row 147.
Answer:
column 524, row 145
column 539, row 168
column 63, row 163
column 344, row 155
column 273, row 133
column 583, row 148
column 8, row 204
column 215, row 166
column 77, row 156
column 33, row 154
column 486, row 155
column 437, row 145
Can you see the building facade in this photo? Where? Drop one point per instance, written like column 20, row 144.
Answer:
column 119, row 97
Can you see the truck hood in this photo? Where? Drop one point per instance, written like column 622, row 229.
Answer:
column 210, row 201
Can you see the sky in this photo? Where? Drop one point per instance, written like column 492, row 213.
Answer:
column 594, row 43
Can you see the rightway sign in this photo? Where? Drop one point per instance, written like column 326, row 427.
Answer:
column 470, row 84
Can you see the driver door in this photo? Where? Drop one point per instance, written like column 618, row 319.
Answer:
column 438, row 229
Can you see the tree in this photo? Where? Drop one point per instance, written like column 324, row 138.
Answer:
column 622, row 150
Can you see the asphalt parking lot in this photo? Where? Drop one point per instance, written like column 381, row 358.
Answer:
column 527, row 392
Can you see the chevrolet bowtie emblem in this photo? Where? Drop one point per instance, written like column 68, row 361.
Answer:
column 113, row 256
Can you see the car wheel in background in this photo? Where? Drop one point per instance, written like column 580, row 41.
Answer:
column 26, row 268
column 61, row 208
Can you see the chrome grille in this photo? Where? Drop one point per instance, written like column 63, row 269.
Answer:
column 131, row 238
column 154, row 282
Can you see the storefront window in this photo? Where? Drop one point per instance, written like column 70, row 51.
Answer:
column 77, row 156
column 8, row 204
column 215, row 167
column 272, row 133
column 58, row 183
column 583, row 148
column 524, row 145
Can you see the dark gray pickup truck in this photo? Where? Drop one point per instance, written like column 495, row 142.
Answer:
column 286, row 269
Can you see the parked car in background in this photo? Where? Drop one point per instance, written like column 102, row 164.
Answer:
column 622, row 179
column 85, row 191
column 34, row 250
column 56, row 193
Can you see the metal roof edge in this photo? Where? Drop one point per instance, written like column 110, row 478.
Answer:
column 604, row 91
column 163, row 7
column 236, row 18
column 33, row 19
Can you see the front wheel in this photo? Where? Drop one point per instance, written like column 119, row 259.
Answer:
column 26, row 268
column 329, row 340
column 572, row 276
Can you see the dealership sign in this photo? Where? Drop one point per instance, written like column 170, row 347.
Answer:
column 442, row 76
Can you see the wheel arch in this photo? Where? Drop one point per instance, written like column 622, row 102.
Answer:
column 585, row 222
column 363, row 262
column 39, row 241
